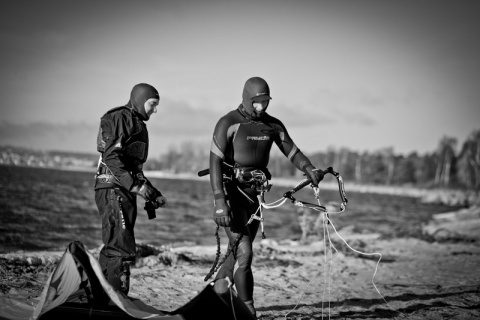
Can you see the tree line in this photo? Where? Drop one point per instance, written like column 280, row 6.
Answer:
column 448, row 166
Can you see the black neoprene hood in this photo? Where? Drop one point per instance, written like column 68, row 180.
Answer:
column 255, row 89
column 139, row 95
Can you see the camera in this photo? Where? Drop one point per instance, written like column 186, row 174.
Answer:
column 150, row 207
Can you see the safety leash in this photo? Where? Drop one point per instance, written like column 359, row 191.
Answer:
column 231, row 247
column 217, row 256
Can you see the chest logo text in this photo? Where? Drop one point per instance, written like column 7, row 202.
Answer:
column 259, row 138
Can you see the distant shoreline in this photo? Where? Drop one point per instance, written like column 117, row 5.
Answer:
column 442, row 196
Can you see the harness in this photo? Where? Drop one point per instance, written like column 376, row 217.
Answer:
column 104, row 177
column 258, row 180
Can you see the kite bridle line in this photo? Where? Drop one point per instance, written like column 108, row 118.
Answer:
column 326, row 221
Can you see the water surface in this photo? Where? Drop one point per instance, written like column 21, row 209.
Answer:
column 45, row 209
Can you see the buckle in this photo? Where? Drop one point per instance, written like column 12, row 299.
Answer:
column 253, row 179
column 255, row 176
column 104, row 178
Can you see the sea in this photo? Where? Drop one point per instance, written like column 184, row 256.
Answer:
column 45, row 209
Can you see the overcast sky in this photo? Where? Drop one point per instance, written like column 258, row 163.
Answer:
column 360, row 74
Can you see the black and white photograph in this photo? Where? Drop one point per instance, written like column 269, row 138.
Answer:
column 222, row 159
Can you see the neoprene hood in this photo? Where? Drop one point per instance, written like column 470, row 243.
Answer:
column 255, row 89
column 139, row 95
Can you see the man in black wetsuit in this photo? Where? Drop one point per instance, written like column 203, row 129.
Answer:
column 123, row 143
column 242, row 140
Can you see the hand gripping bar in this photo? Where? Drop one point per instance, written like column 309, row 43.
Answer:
column 330, row 170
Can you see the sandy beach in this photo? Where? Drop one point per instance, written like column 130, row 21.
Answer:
column 415, row 279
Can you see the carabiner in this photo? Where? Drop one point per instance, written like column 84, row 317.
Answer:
column 254, row 217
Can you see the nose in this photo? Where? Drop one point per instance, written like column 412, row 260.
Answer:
column 155, row 109
column 258, row 106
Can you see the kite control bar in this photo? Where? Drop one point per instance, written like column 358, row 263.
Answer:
column 341, row 188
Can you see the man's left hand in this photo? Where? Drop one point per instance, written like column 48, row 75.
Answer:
column 161, row 201
column 316, row 175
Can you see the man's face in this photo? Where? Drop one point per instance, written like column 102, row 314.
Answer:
column 260, row 106
column 151, row 106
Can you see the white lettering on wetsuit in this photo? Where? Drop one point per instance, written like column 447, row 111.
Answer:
column 258, row 138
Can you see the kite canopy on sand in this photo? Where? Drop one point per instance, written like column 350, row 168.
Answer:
column 77, row 289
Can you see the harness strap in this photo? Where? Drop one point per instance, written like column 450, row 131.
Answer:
column 246, row 195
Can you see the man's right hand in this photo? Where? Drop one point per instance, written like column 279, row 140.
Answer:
column 144, row 190
column 221, row 213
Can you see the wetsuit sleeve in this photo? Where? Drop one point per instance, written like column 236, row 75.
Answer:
column 141, row 176
column 115, row 131
column 217, row 156
column 289, row 149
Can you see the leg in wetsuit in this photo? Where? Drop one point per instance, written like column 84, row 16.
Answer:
column 118, row 210
column 238, row 266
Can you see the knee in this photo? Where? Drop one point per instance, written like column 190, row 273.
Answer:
column 221, row 286
column 244, row 255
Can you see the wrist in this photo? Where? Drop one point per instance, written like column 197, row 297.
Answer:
column 307, row 166
column 219, row 195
